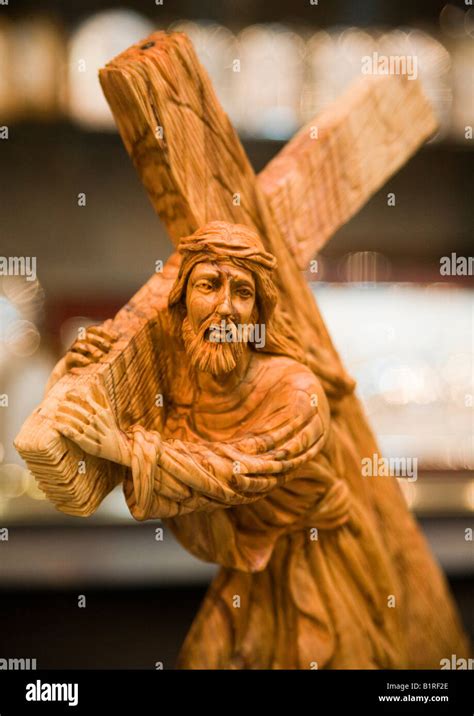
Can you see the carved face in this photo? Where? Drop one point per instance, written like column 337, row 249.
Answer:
column 219, row 298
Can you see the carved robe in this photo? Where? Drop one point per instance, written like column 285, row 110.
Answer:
column 258, row 481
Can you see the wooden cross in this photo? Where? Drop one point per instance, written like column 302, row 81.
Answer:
column 195, row 170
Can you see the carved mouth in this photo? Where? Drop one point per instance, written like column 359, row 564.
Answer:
column 219, row 333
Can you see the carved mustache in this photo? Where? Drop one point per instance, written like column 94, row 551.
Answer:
column 216, row 323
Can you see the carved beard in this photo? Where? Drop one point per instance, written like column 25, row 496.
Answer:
column 214, row 358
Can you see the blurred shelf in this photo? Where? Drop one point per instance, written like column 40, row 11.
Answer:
column 439, row 494
column 129, row 556
column 97, row 556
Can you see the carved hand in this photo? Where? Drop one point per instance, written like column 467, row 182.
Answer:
column 97, row 342
column 87, row 420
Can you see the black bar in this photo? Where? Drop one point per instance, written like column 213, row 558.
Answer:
column 317, row 692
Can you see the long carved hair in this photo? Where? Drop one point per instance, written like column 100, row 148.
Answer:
column 220, row 241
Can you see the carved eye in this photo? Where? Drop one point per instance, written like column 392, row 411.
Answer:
column 205, row 286
column 245, row 292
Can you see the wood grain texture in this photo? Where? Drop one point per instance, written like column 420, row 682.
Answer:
column 315, row 185
column 301, row 602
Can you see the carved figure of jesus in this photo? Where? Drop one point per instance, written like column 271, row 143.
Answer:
column 249, row 472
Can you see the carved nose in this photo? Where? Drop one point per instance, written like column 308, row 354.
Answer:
column 224, row 308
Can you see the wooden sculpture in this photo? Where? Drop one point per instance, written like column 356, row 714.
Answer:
column 218, row 400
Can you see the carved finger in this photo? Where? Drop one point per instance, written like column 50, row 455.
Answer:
column 105, row 422
column 100, row 410
column 85, row 441
column 104, row 332
column 69, row 420
column 92, row 434
column 102, row 344
column 96, row 401
column 76, row 360
column 86, row 444
column 95, row 428
column 70, row 407
column 80, row 397
column 68, row 431
column 88, row 349
column 101, row 347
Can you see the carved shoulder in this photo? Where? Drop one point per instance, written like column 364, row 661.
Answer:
column 291, row 385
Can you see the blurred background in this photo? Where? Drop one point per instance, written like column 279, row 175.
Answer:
column 403, row 327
